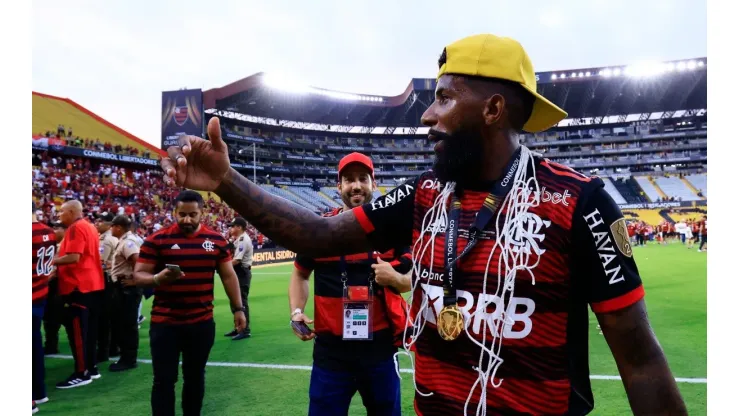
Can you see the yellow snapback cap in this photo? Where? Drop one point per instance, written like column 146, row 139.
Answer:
column 491, row 56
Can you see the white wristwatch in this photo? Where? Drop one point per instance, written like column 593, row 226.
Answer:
column 296, row 312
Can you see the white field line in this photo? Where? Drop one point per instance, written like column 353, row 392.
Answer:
column 308, row 368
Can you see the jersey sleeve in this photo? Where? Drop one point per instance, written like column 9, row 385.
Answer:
column 224, row 255
column 602, row 254
column 304, row 263
column 75, row 241
column 388, row 221
column 402, row 261
column 149, row 251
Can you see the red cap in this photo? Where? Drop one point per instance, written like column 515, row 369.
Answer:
column 356, row 158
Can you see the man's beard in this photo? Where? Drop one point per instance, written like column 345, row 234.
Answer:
column 348, row 196
column 187, row 228
column 461, row 158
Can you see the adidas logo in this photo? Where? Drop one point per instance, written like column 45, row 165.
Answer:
column 175, row 247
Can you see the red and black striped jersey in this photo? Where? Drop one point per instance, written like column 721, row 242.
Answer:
column 189, row 299
column 330, row 351
column 44, row 248
column 580, row 238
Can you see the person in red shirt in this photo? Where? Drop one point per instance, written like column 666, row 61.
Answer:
column 44, row 246
column 482, row 235
column 703, row 234
column 81, row 285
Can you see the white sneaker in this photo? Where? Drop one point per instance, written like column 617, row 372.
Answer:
column 42, row 401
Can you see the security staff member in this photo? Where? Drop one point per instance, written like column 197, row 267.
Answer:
column 126, row 296
column 242, row 262
column 107, row 247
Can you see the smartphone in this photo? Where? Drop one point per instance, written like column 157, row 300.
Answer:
column 301, row 328
column 174, row 268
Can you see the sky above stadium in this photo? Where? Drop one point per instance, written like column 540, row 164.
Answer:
column 116, row 57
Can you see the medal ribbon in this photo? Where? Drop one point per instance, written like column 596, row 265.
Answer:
column 491, row 204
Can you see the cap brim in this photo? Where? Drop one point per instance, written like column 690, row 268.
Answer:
column 544, row 115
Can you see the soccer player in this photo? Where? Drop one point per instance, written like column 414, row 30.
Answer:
column 127, row 296
column 243, row 253
column 108, row 242
column 354, row 343
column 81, row 284
column 44, row 248
column 179, row 263
column 508, row 316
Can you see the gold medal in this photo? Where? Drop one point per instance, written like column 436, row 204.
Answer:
column 450, row 323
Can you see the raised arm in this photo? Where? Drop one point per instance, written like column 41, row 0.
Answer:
column 290, row 225
column 204, row 165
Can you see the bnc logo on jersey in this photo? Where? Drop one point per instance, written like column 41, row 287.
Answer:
column 527, row 234
column 518, row 310
column 208, row 245
column 427, row 276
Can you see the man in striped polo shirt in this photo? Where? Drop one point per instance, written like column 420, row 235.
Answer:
column 44, row 248
column 182, row 311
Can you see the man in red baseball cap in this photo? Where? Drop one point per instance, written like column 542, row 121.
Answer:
column 356, row 180
column 360, row 315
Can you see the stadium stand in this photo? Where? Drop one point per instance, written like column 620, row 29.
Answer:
column 290, row 196
column 51, row 114
column 612, row 190
column 647, row 186
column 699, row 182
column 674, row 187
column 313, row 197
column 630, row 190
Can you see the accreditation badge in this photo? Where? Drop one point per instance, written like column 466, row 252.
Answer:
column 357, row 314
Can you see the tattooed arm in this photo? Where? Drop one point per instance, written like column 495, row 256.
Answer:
column 204, row 165
column 650, row 386
column 291, row 225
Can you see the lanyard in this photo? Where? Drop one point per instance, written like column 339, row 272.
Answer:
column 343, row 267
column 485, row 214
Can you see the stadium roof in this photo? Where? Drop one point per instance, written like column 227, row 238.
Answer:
column 584, row 93
column 49, row 111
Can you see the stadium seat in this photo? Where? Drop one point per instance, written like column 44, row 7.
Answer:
column 699, row 182
column 613, row 192
column 674, row 187
column 648, row 187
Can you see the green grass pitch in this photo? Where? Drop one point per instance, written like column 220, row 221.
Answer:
column 675, row 280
